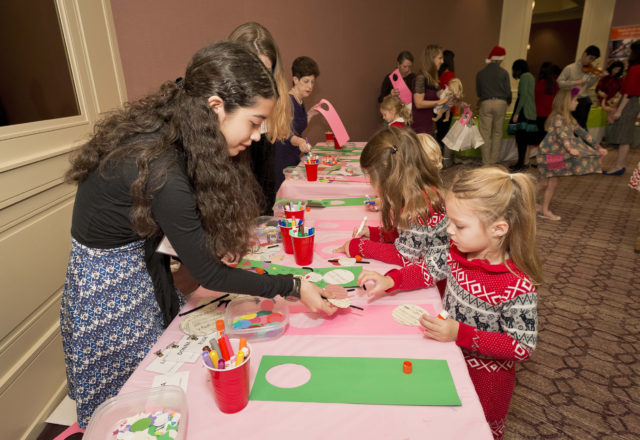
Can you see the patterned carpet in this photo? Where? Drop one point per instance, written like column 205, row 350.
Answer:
column 583, row 381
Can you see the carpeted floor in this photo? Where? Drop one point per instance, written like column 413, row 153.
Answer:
column 583, row 381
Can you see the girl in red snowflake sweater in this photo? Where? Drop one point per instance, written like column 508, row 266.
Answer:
column 491, row 269
column 408, row 183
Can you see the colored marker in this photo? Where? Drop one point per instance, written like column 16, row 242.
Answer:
column 239, row 358
column 361, row 228
column 229, row 347
column 443, row 315
column 206, row 359
column 223, row 349
column 220, row 326
column 214, row 357
column 243, row 343
column 221, row 364
column 215, row 347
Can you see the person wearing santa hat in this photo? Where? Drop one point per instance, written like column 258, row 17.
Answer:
column 494, row 93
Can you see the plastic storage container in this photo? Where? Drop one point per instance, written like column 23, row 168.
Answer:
column 107, row 417
column 267, row 230
column 256, row 318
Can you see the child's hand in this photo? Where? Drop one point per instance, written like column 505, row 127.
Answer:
column 375, row 206
column 343, row 249
column 515, row 119
column 374, row 283
column 436, row 328
column 364, row 234
column 395, row 92
column 311, row 296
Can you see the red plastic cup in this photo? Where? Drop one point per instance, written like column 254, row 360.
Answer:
column 328, row 136
column 286, row 239
column 312, row 171
column 295, row 214
column 336, row 145
column 231, row 386
column 303, row 249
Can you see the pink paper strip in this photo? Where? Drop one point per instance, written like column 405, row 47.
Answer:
column 373, row 320
column 398, row 83
column 334, row 121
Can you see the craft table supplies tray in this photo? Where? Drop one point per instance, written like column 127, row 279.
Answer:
column 256, row 318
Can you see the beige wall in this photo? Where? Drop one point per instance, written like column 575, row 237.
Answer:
column 35, row 213
column 355, row 42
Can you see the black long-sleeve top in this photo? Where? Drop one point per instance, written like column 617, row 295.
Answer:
column 101, row 219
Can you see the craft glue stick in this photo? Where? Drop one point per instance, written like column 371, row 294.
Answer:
column 360, row 229
column 443, row 315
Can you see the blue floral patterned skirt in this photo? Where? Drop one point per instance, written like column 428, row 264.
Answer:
column 109, row 320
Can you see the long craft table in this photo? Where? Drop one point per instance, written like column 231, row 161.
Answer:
column 349, row 333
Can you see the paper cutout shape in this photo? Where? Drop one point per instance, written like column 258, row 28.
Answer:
column 398, row 83
column 333, row 120
column 377, row 381
column 342, row 303
column 346, row 277
column 408, row 314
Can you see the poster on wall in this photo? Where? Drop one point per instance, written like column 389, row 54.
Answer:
column 620, row 42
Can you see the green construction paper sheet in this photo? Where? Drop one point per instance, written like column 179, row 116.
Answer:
column 375, row 381
column 279, row 269
column 325, row 203
column 345, row 149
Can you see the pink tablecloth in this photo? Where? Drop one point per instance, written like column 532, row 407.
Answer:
column 294, row 420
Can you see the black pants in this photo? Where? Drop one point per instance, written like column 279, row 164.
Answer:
column 262, row 157
column 442, row 128
column 581, row 113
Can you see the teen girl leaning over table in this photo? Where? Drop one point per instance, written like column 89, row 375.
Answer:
column 163, row 165
column 408, row 184
column 491, row 267
column 259, row 40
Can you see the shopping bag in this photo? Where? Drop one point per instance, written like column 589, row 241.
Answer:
column 634, row 183
column 464, row 134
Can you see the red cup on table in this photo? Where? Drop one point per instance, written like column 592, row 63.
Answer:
column 303, row 246
column 286, row 239
column 231, row 385
column 312, row 171
column 328, row 136
column 295, row 213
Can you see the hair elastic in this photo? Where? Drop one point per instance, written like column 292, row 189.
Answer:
column 574, row 92
column 510, row 176
column 394, row 149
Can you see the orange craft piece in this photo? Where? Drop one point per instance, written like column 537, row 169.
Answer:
column 358, row 257
column 260, row 270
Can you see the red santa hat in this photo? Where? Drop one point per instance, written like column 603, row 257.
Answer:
column 496, row 54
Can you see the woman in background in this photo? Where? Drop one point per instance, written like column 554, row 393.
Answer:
column 258, row 39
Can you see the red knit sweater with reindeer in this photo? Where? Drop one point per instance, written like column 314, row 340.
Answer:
column 495, row 307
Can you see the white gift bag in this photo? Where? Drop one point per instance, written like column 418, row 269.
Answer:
column 464, row 134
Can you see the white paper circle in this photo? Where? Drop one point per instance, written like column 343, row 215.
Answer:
column 339, row 276
column 288, row 375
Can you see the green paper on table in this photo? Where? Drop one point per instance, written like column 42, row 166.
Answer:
column 326, row 203
column 345, row 276
column 376, row 381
